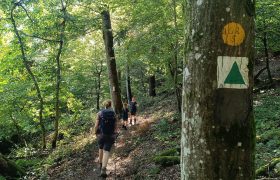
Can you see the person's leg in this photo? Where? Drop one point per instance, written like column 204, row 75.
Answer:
column 100, row 157
column 100, row 152
column 135, row 118
column 130, row 119
column 106, row 154
column 125, row 124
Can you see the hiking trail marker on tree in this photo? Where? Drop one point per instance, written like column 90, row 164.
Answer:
column 233, row 34
column 232, row 72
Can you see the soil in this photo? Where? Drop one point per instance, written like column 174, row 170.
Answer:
column 130, row 158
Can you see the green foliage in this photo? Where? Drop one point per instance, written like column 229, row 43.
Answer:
column 154, row 170
column 166, row 132
column 267, row 116
column 170, row 152
column 9, row 168
column 166, row 161
column 267, row 21
column 28, row 164
column 270, row 169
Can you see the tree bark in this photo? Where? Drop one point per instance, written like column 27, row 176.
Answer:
column 34, row 79
column 120, row 80
column 111, row 61
column 128, row 85
column 58, row 77
column 267, row 57
column 152, row 86
column 218, row 130
column 98, row 73
column 177, row 88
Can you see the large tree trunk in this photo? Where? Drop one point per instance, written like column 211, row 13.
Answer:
column 34, row 79
column 58, row 76
column 152, row 85
column 111, row 61
column 218, row 130
column 128, row 85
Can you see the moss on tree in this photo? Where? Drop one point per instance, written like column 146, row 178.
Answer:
column 267, row 169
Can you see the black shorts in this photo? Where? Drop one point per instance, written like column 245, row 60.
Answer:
column 106, row 142
column 125, row 119
column 133, row 113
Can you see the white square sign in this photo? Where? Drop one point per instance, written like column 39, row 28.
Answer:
column 232, row 72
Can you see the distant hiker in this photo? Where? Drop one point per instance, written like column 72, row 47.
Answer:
column 105, row 130
column 125, row 113
column 133, row 110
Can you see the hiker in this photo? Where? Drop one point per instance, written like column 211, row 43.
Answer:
column 133, row 110
column 125, row 113
column 106, row 131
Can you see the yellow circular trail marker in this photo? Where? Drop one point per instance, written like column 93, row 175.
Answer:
column 233, row 34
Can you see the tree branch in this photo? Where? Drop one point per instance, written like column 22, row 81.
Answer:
column 259, row 73
column 26, row 12
column 38, row 37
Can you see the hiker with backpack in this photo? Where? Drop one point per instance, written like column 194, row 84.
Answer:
column 133, row 110
column 125, row 113
column 106, row 131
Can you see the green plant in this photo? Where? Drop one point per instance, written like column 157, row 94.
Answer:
column 154, row 170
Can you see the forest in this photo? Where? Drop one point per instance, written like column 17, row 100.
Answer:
column 205, row 75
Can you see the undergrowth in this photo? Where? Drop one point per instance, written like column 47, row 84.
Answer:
column 267, row 117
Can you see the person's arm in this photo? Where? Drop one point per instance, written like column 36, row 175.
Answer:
column 96, row 124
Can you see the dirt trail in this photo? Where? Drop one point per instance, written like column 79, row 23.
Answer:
column 84, row 165
column 119, row 162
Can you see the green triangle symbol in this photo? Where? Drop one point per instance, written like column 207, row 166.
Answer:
column 234, row 76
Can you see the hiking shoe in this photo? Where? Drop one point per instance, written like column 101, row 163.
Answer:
column 103, row 172
column 125, row 128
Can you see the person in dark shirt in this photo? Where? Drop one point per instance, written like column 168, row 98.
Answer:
column 133, row 110
column 105, row 130
column 125, row 113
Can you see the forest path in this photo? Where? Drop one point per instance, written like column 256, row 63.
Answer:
column 119, row 162
column 84, row 165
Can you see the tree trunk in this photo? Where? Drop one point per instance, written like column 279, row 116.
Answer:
column 17, row 129
column 218, row 130
column 267, row 57
column 58, row 77
column 177, row 88
column 98, row 92
column 120, row 79
column 111, row 62
column 128, row 85
column 152, row 86
column 98, row 85
column 34, row 79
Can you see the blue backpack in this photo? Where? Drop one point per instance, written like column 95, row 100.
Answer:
column 107, row 122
